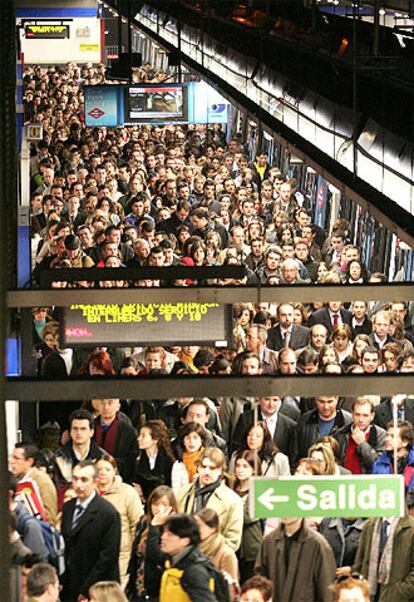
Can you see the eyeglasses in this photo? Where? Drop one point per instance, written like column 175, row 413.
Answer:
column 356, row 576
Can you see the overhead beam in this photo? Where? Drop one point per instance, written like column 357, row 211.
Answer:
column 306, row 293
column 33, row 389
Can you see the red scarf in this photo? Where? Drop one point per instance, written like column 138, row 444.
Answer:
column 107, row 439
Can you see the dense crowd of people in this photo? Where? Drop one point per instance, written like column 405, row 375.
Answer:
column 154, row 494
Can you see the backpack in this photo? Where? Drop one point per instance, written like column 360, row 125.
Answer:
column 53, row 541
column 171, row 588
column 218, row 584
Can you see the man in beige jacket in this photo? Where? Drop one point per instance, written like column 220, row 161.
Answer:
column 211, row 491
column 22, row 465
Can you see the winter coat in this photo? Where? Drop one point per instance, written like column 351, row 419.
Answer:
column 368, row 451
column 384, row 465
column 187, row 580
column 307, row 431
column 401, row 583
column 344, row 546
column 225, row 502
column 126, row 500
column 252, row 536
column 221, row 554
column 150, row 479
column 64, row 458
column 311, row 566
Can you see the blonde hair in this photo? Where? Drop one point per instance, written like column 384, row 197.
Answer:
column 328, row 456
column 107, row 591
column 215, row 455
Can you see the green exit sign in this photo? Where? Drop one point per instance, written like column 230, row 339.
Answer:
column 347, row 496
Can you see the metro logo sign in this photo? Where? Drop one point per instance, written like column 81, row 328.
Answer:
column 96, row 113
column 347, row 496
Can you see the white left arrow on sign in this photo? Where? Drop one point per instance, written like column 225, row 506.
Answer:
column 268, row 499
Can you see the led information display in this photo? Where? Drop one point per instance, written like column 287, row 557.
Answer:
column 49, row 32
column 147, row 324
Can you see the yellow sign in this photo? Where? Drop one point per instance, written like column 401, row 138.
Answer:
column 34, row 132
column 89, row 47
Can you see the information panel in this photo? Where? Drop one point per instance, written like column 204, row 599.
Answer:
column 147, row 324
column 156, row 104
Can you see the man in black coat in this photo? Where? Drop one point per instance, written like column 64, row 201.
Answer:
column 326, row 419
column 91, row 528
column 405, row 410
column 361, row 442
column 179, row 218
column 114, row 433
column 286, row 333
column 281, row 427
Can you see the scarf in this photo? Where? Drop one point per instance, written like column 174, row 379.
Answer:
column 212, row 545
column 106, row 435
column 202, row 494
column 379, row 569
column 190, row 459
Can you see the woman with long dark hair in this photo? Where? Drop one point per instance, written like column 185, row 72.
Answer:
column 146, row 564
column 257, row 438
column 246, row 466
column 155, row 459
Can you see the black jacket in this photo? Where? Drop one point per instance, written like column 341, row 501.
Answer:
column 307, row 432
column 196, row 577
column 364, row 328
column 368, row 451
column 342, row 538
column 383, row 412
column 153, row 558
column 150, row 479
column 91, row 548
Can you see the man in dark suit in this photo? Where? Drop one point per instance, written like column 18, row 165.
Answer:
column 333, row 314
column 286, row 333
column 91, row 528
column 405, row 410
column 381, row 325
column 280, row 426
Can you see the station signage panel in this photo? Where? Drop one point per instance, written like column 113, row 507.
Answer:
column 330, row 497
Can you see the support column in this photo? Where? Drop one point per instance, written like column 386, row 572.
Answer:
column 8, row 209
